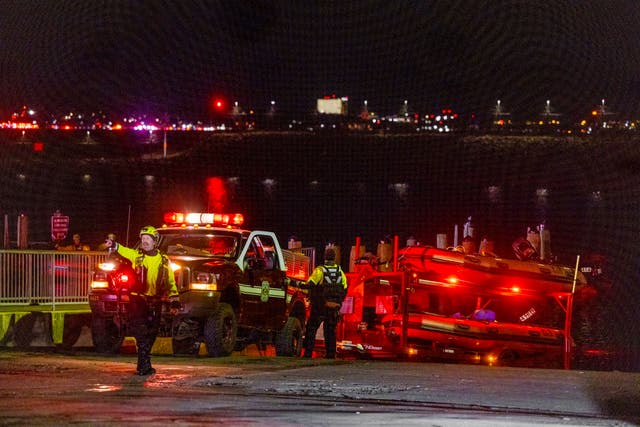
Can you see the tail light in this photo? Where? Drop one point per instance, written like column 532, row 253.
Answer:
column 100, row 280
column 109, row 275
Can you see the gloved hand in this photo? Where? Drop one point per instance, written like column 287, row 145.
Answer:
column 331, row 304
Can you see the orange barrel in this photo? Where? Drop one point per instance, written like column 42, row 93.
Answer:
column 385, row 257
column 352, row 256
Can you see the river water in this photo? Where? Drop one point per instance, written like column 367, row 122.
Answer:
column 334, row 187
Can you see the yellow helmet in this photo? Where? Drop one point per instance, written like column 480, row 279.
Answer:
column 150, row 230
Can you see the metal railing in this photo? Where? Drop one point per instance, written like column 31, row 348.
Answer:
column 30, row 277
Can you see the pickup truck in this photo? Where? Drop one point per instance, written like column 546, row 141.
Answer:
column 236, row 287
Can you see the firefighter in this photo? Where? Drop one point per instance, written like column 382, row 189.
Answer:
column 154, row 282
column 327, row 289
column 77, row 245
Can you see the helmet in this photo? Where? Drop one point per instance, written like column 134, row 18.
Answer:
column 150, row 231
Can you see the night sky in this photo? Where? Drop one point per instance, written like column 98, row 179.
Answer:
column 161, row 56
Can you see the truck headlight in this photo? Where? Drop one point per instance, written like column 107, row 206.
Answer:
column 107, row 266
column 203, row 281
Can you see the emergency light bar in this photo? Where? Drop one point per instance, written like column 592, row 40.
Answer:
column 204, row 218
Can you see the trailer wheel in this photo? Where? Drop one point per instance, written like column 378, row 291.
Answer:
column 106, row 335
column 289, row 339
column 220, row 331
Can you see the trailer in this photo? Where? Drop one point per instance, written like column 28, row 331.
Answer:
column 443, row 305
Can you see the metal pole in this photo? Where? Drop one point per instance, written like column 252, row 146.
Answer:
column 405, row 313
column 395, row 253
column 568, row 319
column 164, row 144
column 6, row 242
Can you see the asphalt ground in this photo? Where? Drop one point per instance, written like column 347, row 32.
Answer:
column 54, row 388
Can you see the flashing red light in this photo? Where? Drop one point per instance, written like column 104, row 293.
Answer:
column 515, row 289
column 203, row 218
column 218, row 104
column 452, row 280
column 173, row 217
column 38, row 146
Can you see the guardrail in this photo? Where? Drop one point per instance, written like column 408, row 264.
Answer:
column 30, row 277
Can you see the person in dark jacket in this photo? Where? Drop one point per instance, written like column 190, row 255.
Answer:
column 327, row 289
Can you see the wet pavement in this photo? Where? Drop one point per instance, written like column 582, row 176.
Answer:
column 50, row 388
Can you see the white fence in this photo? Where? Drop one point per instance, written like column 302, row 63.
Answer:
column 46, row 277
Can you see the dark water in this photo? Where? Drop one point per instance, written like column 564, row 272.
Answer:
column 335, row 187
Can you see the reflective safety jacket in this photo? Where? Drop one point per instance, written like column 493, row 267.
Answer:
column 153, row 271
column 327, row 283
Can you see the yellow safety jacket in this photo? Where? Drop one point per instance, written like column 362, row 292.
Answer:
column 153, row 268
column 327, row 283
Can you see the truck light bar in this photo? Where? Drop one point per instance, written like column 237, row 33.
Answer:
column 204, row 218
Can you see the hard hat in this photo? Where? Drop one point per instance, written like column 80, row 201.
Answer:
column 150, row 231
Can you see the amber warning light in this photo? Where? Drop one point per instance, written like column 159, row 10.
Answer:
column 204, row 218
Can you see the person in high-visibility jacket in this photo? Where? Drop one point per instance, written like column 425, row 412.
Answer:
column 327, row 289
column 155, row 283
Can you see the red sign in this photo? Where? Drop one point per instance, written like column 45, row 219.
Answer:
column 59, row 226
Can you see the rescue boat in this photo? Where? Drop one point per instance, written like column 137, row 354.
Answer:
column 447, row 305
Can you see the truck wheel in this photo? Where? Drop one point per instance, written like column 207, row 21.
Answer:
column 289, row 339
column 220, row 331
column 106, row 335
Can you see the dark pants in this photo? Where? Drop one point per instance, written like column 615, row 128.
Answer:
column 144, row 321
column 330, row 318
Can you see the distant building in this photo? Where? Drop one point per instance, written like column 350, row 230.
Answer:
column 333, row 105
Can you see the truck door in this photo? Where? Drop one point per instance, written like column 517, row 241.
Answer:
column 262, row 289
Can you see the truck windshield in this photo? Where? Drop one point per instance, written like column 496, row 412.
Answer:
column 213, row 245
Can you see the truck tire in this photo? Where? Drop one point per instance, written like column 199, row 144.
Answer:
column 220, row 331
column 106, row 335
column 289, row 339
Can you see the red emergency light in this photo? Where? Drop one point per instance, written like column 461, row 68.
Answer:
column 204, row 218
